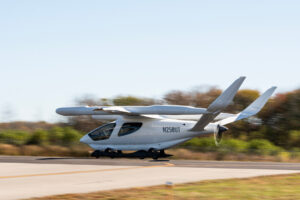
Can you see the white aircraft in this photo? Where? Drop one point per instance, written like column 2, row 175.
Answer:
column 149, row 130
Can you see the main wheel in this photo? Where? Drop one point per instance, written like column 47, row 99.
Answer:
column 109, row 152
column 154, row 153
column 154, row 156
column 142, row 154
column 96, row 154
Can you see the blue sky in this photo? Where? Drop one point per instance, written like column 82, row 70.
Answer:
column 52, row 52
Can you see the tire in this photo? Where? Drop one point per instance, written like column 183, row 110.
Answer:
column 155, row 157
column 96, row 154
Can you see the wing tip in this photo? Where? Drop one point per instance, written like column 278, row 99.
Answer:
column 271, row 89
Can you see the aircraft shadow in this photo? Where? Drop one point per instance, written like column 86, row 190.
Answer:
column 57, row 158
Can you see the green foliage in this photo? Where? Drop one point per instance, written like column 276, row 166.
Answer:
column 70, row 136
column 55, row 135
column 294, row 135
column 263, row 147
column 38, row 137
column 234, row 145
column 255, row 146
column 294, row 138
column 14, row 137
column 201, row 144
column 295, row 153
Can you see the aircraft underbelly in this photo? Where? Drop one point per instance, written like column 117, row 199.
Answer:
column 136, row 147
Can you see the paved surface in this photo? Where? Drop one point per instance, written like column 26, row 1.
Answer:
column 24, row 177
column 149, row 162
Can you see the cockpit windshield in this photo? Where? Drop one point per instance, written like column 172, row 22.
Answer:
column 102, row 132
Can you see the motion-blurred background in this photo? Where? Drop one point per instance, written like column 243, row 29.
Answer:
column 273, row 135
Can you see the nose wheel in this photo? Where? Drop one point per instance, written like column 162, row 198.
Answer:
column 96, row 154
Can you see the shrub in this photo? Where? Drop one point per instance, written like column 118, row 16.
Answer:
column 295, row 153
column 70, row 136
column 201, row 144
column 233, row 145
column 263, row 147
column 283, row 156
column 55, row 135
column 294, row 138
column 38, row 137
column 14, row 137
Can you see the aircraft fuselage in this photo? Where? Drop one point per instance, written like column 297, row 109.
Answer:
column 143, row 134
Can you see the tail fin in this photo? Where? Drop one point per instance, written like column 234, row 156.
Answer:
column 219, row 104
column 252, row 109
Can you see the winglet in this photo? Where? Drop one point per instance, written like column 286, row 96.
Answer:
column 252, row 109
column 257, row 105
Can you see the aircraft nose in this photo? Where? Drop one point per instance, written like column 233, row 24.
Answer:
column 85, row 139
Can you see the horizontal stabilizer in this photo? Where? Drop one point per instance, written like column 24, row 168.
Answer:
column 252, row 109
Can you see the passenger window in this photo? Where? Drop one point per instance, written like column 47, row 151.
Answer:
column 129, row 128
column 103, row 132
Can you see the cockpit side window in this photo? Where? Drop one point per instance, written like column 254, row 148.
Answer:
column 128, row 128
column 102, row 132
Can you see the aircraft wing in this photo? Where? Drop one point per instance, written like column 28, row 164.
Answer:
column 218, row 105
column 252, row 109
column 131, row 110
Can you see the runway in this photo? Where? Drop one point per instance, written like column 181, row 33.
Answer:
column 25, row 177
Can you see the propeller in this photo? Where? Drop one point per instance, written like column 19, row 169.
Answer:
column 219, row 134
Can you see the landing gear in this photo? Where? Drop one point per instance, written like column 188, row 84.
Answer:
column 142, row 154
column 96, row 154
column 155, row 154
column 155, row 157
column 110, row 152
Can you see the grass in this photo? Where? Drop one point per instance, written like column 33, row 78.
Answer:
column 280, row 187
column 186, row 154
